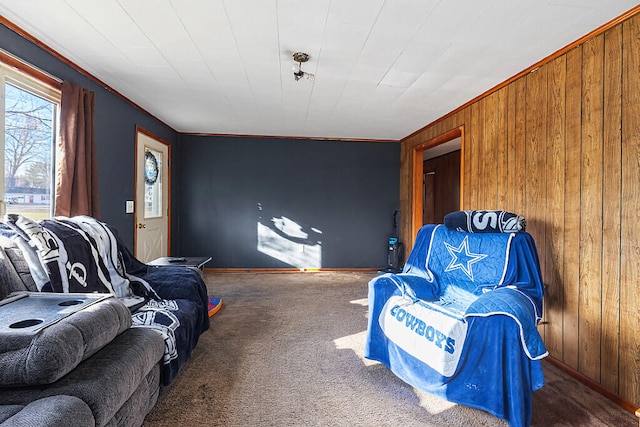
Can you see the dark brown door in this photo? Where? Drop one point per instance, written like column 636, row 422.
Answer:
column 441, row 180
column 429, row 197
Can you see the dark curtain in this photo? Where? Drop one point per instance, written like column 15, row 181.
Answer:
column 76, row 165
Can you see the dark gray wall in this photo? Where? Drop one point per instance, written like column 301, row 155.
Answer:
column 347, row 190
column 116, row 121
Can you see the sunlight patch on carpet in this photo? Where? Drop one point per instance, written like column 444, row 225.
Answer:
column 433, row 404
column 355, row 342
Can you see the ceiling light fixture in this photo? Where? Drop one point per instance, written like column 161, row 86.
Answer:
column 301, row 57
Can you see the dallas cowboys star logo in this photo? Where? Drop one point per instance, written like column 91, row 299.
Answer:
column 462, row 259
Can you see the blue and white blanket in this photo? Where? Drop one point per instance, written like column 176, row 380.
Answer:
column 460, row 320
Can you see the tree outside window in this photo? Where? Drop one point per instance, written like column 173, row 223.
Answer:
column 29, row 136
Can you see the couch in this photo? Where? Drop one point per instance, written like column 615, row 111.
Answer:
column 112, row 331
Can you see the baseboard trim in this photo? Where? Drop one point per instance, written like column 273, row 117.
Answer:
column 290, row 270
column 624, row 404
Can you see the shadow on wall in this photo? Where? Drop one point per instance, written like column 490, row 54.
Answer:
column 288, row 241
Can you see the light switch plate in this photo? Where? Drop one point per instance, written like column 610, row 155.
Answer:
column 129, row 208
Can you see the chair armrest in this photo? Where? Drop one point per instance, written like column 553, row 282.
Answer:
column 411, row 285
column 518, row 306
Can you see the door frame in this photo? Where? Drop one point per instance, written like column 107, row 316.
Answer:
column 141, row 130
column 417, row 188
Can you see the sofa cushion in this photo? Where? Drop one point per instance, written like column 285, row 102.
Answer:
column 21, row 266
column 32, row 241
column 134, row 410
column 28, row 358
column 107, row 380
column 8, row 411
column 54, row 411
column 10, row 279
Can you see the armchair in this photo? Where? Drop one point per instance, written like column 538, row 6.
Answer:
column 460, row 321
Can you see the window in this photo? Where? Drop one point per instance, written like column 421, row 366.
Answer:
column 29, row 116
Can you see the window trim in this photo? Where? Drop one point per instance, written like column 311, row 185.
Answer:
column 16, row 64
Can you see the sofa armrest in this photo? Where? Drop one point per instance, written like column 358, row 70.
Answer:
column 44, row 357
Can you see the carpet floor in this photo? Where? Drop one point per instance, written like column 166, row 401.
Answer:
column 287, row 350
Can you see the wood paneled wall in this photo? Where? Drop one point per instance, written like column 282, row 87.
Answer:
column 561, row 146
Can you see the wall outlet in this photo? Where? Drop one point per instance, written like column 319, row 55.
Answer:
column 129, row 208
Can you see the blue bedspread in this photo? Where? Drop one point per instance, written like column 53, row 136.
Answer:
column 453, row 325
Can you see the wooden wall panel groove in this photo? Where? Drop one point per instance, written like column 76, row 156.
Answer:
column 590, row 302
column 572, row 214
column 480, row 183
column 510, row 203
column 475, row 154
column 554, row 237
column 501, row 149
column 520, row 177
column 612, row 111
column 630, row 225
column 489, row 152
column 535, row 154
column 466, row 153
column 561, row 145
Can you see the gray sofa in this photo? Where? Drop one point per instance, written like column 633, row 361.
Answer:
column 85, row 365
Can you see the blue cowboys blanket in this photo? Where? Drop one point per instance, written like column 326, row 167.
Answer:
column 457, row 293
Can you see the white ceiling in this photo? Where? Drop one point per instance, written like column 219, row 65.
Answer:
column 383, row 68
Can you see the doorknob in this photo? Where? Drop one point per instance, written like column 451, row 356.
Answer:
column 141, row 225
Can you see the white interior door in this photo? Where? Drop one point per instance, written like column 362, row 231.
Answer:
column 152, row 197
